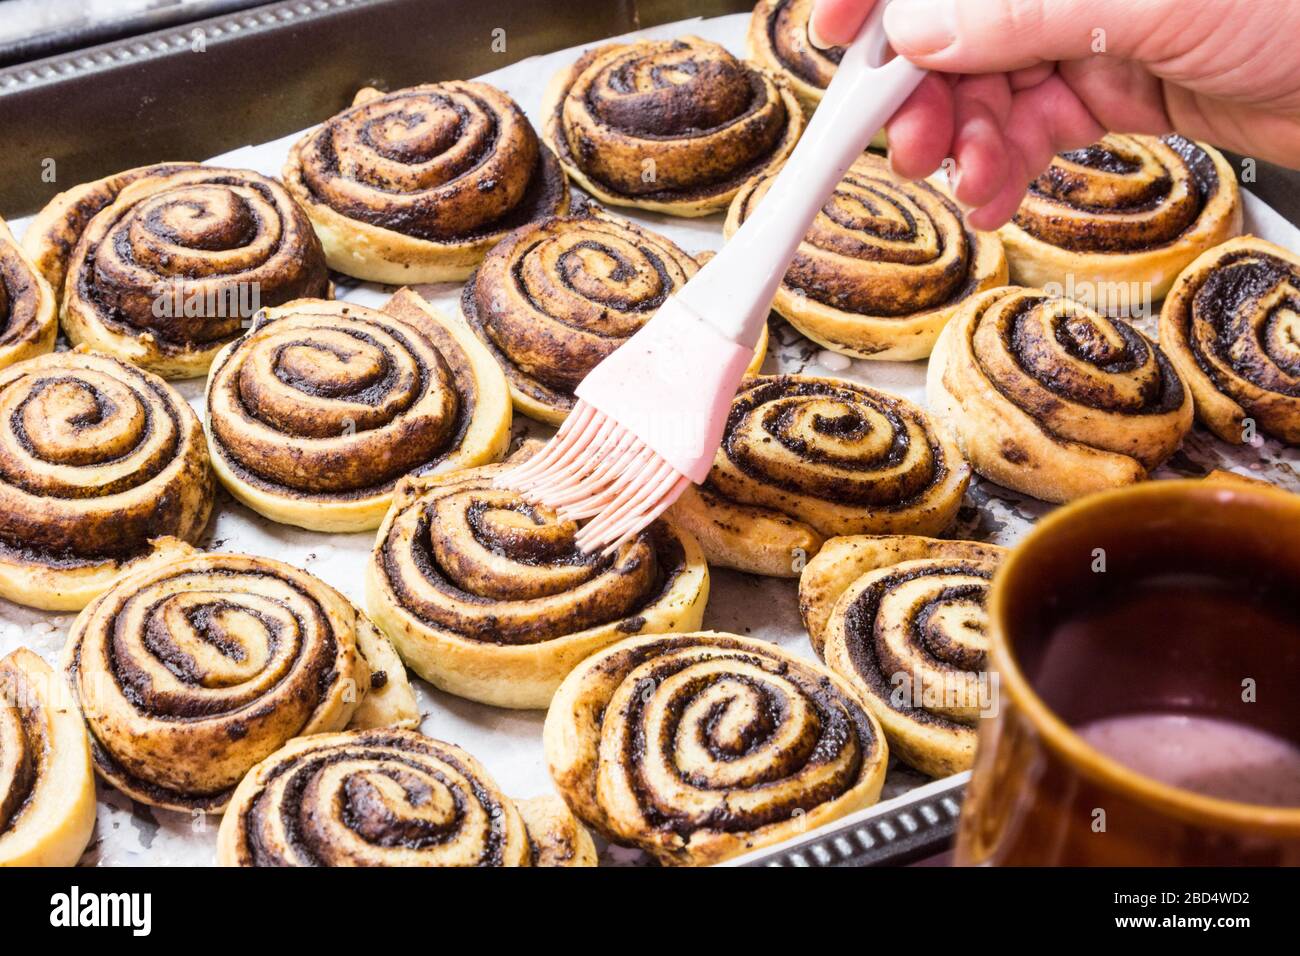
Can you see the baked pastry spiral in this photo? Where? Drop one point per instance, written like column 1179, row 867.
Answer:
column 487, row 596
column 700, row 747
column 1128, row 210
column 556, row 297
column 778, row 40
column 317, row 412
column 418, row 184
column 674, row 126
column 175, row 267
column 28, row 315
column 805, row 458
column 389, row 798
column 884, row 265
column 190, row 674
column 1232, row 326
column 1051, row 399
column 103, row 469
column 902, row 620
column 47, row 789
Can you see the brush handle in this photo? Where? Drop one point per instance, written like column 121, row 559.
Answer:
column 734, row 291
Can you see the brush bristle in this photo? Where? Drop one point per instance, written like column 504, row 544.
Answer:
column 594, row 468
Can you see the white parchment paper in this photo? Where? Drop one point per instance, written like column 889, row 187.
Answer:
column 509, row 742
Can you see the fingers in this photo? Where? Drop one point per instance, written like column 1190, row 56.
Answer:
column 837, row 22
column 920, row 134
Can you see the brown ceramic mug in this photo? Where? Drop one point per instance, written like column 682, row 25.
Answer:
column 1168, row 598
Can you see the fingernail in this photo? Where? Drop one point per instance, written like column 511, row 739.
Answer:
column 814, row 37
column 920, row 27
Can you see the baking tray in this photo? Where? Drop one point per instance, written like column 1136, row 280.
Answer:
column 280, row 67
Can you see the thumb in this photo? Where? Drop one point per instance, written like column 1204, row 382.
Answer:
column 987, row 36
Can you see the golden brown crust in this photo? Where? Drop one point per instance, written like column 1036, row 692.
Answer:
column 102, row 466
column 418, row 184
column 189, row 675
column 556, row 836
column 700, row 747
column 385, row 798
column 884, row 265
column 902, row 620
column 1232, row 326
column 47, row 789
column 673, row 126
column 1124, row 212
column 316, row 414
column 1052, row 399
column 487, row 597
column 778, row 40
column 28, row 313
column 805, row 458
column 174, row 268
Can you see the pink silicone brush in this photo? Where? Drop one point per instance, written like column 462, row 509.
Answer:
column 650, row 417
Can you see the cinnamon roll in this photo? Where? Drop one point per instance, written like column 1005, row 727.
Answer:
column 673, row 126
column 556, row 297
column 1127, row 211
column 28, row 317
column 317, row 412
column 1052, row 399
column 700, row 747
column 190, row 674
column 418, row 184
column 884, row 265
column 487, row 597
column 778, row 40
column 103, row 470
column 389, row 798
column 47, row 789
column 174, row 268
column 804, row 458
column 1232, row 326
column 902, row 620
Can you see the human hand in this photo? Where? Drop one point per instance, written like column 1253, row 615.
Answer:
column 1025, row 79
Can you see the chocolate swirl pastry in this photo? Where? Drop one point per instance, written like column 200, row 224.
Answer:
column 103, row 470
column 28, row 315
column 175, row 266
column 805, row 458
column 884, row 265
column 778, row 41
column 189, row 675
column 700, row 747
column 317, row 412
column 1232, row 326
column 674, row 126
column 1126, row 210
column 389, row 798
column 902, row 620
column 556, row 297
column 417, row 185
column 1052, row 399
column 47, row 789
column 488, row 598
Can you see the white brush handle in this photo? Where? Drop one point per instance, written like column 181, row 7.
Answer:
column 734, row 291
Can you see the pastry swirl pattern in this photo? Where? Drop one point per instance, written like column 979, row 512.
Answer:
column 778, row 40
column 883, row 266
column 699, row 747
column 805, row 458
column 416, row 185
column 388, row 798
column 672, row 126
column 487, row 596
column 189, row 675
column 323, row 406
column 1232, row 326
column 28, row 315
column 1052, row 399
column 102, row 466
column 174, row 267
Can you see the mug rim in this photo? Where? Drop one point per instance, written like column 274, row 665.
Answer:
column 1059, row 736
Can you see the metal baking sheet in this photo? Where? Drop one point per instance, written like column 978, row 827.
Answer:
column 915, row 818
